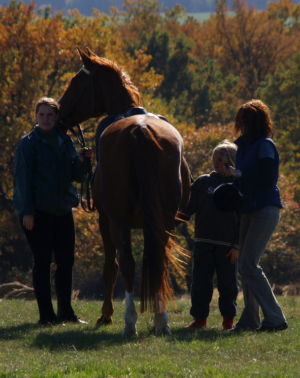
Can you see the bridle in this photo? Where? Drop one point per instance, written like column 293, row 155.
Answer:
column 79, row 135
column 86, row 184
column 85, row 70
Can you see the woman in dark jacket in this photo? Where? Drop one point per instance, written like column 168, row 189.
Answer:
column 46, row 163
column 257, row 163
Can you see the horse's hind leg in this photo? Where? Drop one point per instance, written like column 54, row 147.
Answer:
column 130, row 315
column 109, row 272
column 127, row 268
column 161, row 325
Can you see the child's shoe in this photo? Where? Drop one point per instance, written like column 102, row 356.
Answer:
column 227, row 324
column 197, row 323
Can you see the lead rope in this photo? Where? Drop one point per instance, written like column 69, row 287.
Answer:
column 86, row 184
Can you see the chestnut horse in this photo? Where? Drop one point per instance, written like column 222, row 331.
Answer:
column 141, row 181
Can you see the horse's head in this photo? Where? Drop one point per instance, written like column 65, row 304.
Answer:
column 100, row 87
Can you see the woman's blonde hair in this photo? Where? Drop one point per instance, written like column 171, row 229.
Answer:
column 227, row 149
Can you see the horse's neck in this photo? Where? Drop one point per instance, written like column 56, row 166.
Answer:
column 115, row 111
column 119, row 109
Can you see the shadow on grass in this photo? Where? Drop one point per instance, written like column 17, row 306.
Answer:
column 89, row 339
column 18, row 331
column 86, row 339
column 94, row 338
column 209, row 335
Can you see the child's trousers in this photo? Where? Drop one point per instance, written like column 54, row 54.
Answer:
column 208, row 259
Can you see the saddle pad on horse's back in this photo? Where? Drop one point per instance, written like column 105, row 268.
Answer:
column 116, row 117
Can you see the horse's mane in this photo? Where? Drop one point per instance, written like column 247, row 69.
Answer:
column 125, row 81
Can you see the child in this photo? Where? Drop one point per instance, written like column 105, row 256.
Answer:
column 216, row 242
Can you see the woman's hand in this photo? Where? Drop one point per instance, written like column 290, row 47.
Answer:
column 28, row 222
column 85, row 153
column 233, row 172
column 233, row 254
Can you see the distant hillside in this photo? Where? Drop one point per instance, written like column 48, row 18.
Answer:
column 86, row 6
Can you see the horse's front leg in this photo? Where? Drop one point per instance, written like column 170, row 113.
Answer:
column 110, row 271
column 161, row 320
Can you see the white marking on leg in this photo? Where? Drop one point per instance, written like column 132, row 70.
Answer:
column 161, row 324
column 161, row 318
column 130, row 315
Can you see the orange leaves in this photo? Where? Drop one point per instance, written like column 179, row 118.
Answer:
column 252, row 44
column 146, row 80
column 286, row 12
column 288, row 185
column 88, row 240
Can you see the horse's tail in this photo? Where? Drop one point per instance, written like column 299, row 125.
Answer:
column 158, row 221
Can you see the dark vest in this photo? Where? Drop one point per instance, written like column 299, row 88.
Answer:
column 247, row 161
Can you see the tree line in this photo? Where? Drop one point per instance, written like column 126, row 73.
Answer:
column 86, row 6
column 194, row 73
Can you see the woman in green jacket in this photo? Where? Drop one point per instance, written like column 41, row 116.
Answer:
column 46, row 163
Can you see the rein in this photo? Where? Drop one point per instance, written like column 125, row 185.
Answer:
column 86, row 184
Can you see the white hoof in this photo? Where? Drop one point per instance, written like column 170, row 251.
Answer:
column 130, row 330
column 165, row 331
column 161, row 324
column 130, row 316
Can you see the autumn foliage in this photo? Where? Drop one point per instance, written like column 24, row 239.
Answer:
column 195, row 73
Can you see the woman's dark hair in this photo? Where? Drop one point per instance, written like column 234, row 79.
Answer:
column 49, row 102
column 254, row 120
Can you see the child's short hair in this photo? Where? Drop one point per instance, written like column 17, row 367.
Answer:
column 49, row 101
column 227, row 149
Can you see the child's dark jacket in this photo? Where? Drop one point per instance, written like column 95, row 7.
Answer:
column 211, row 224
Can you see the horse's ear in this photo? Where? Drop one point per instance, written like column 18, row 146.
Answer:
column 89, row 52
column 84, row 57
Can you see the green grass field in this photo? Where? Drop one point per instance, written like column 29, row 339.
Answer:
column 29, row 350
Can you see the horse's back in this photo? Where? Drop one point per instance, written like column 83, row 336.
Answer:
column 129, row 128
column 139, row 156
